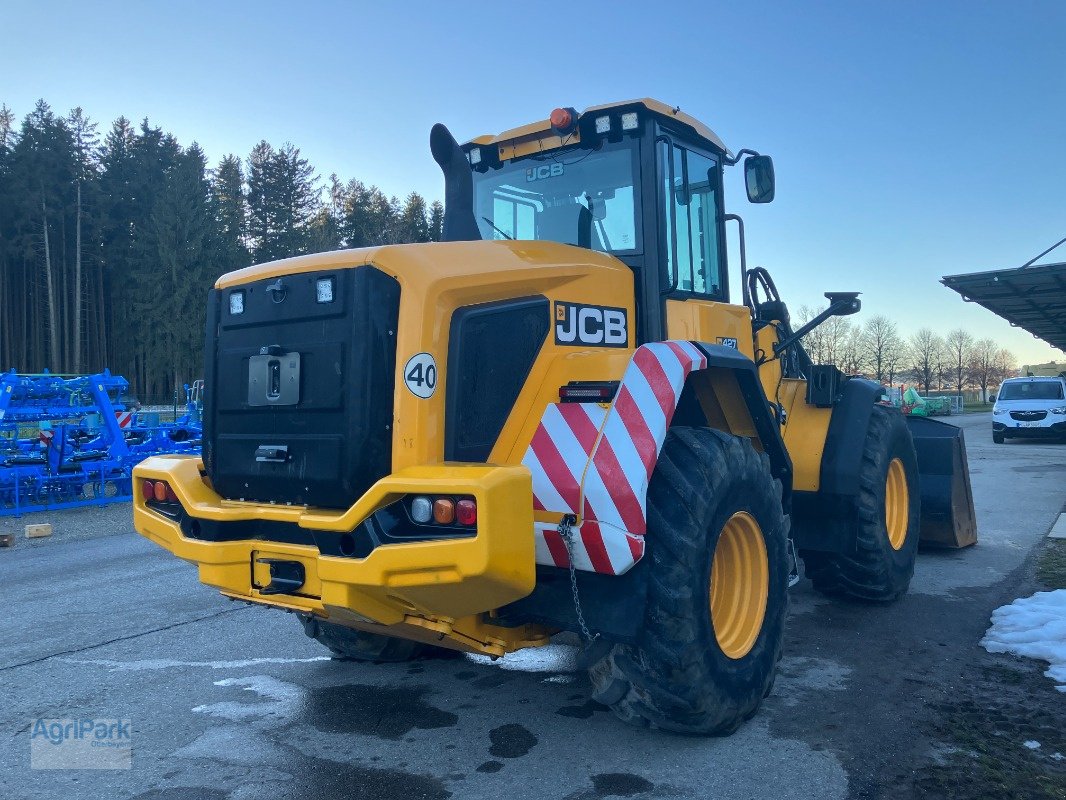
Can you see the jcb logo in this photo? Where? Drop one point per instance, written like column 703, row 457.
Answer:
column 543, row 171
column 599, row 326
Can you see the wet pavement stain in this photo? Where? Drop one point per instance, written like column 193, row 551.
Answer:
column 493, row 681
column 466, row 675
column 511, row 741
column 620, row 784
column 389, row 713
column 352, row 782
column 490, row 766
column 583, row 711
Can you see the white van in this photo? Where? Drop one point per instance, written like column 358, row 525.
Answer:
column 1030, row 407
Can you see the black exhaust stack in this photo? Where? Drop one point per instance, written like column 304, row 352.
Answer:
column 459, row 222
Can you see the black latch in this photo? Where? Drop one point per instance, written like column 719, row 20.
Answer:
column 277, row 290
column 285, row 576
column 274, row 453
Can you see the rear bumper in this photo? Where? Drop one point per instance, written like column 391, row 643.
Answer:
column 407, row 583
column 1042, row 431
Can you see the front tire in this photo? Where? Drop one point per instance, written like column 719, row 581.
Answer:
column 717, row 591
column 887, row 510
column 353, row 645
column 997, row 438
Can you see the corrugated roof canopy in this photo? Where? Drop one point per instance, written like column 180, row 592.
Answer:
column 1029, row 297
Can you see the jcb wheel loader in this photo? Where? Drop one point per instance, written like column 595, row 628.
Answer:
column 554, row 420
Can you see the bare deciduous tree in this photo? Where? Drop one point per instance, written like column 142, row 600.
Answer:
column 926, row 357
column 1005, row 365
column 982, row 365
column 958, row 345
column 882, row 347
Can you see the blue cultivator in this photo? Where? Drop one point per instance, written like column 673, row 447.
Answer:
column 68, row 442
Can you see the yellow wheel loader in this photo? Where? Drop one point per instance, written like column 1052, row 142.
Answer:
column 554, row 420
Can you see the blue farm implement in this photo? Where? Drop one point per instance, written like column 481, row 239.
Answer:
column 72, row 441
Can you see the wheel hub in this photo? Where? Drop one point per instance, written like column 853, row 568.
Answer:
column 740, row 583
column 897, row 504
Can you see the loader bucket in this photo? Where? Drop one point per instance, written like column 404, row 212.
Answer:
column 948, row 518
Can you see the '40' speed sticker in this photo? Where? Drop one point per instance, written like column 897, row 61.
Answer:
column 420, row 375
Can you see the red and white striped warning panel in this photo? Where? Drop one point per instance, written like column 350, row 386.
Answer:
column 600, row 461
column 124, row 418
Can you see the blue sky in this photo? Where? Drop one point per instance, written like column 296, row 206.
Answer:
column 911, row 139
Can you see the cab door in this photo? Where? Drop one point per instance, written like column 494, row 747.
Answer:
column 696, row 286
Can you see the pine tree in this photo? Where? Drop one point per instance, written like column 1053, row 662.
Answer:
column 86, row 143
column 283, row 201
column 42, row 174
column 412, row 225
column 230, row 207
column 436, row 221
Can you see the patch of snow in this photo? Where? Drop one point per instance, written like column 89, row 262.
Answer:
column 1033, row 627
column 549, row 658
column 559, row 679
column 1032, row 744
column 165, row 663
column 282, row 700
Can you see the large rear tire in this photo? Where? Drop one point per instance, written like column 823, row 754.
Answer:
column 354, row 645
column 717, row 591
column 887, row 509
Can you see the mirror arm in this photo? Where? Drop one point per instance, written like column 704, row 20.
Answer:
column 732, row 162
column 843, row 304
column 743, row 258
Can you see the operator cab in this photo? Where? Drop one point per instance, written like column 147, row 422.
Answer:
column 639, row 180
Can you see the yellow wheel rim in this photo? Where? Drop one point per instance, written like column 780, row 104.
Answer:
column 897, row 504
column 740, row 583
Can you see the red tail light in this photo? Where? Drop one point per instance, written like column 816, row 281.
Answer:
column 148, row 490
column 160, row 491
column 466, row 512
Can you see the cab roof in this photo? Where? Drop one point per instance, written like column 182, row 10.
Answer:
column 541, row 130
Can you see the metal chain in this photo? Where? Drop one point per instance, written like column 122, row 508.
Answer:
column 567, row 534
column 793, row 565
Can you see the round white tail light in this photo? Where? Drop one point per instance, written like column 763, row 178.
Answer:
column 422, row 510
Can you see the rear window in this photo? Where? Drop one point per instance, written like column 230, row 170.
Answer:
column 1031, row 390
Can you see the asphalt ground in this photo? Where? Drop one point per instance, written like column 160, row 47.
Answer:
column 232, row 701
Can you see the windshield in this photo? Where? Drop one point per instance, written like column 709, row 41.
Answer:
column 1031, row 390
column 576, row 196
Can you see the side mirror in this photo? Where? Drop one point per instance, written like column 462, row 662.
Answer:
column 759, row 178
column 991, row 398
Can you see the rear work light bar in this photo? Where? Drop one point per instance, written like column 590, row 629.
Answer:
column 588, row 392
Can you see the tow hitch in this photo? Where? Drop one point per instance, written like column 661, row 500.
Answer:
column 286, row 577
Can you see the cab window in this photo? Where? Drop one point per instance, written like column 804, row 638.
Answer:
column 576, row 196
column 689, row 217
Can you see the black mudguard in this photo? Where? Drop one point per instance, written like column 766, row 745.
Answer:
column 825, row 520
